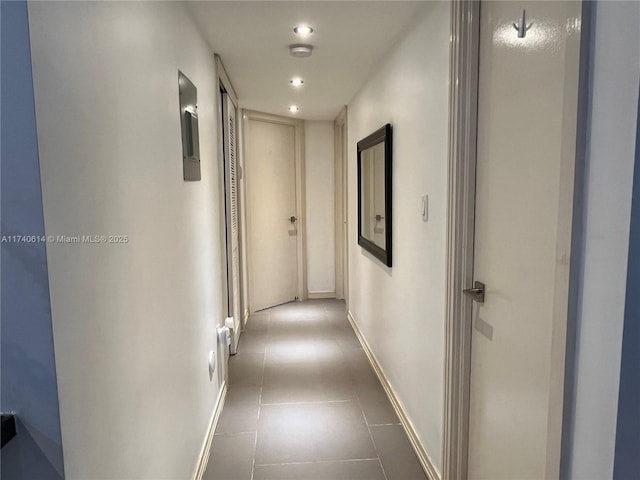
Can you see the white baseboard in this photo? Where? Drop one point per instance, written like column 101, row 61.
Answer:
column 203, row 458
column 320, row 295
column 423, row 456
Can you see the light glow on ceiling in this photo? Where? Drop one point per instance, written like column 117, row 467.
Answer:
column 296, row 82
column 294, row 108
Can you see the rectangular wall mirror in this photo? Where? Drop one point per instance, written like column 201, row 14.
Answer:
column 374, row 194
column 189, row 127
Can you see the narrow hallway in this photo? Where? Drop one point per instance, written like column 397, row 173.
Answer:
column 304, row 403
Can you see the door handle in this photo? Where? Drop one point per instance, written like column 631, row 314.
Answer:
column 476, row 293
column 292, row 219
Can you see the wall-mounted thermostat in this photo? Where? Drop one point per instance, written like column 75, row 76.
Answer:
column 189, row 126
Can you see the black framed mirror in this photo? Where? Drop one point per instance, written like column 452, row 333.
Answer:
column 374, row 194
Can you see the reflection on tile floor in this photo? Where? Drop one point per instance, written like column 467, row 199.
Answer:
column 304, row 404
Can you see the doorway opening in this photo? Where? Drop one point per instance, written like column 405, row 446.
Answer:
column 228, row 112
column 509, row 339
column 276, row 228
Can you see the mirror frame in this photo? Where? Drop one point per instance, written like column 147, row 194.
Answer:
column 382, row 135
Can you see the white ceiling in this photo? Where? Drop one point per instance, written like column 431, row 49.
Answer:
column 349, row 38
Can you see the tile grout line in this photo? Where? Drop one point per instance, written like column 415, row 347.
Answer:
column 253, row 460
column 264, row 360
column 384, row 473
column 353, row 460
column 310, row 402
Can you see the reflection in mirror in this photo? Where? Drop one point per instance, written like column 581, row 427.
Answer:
column 374, row 194
column 373, row 211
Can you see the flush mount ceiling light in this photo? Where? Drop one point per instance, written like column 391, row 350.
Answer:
column 294, row 108
column 301, row 51
column 296, row 82
column 303, row 30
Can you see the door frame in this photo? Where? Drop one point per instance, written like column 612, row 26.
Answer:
column 224, row 82
column 341, row 202
column 463, row 117
column 463, row 110
column 299, row 166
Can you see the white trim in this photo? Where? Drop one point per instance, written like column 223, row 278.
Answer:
column 425, row 461
column 224, row 78
column 222, row 194
column 203, row 457
column 231, row 92
column 568, row 240
column 298, row 126
column 340, row 145
column 463, row 102
column 244, row 263
column 225, row 233
column 320, row 295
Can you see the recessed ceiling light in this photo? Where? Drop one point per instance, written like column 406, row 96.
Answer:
column 296, row 82
column 303, row 30
column 294, row 108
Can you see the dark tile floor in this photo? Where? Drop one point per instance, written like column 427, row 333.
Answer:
column 303, row 403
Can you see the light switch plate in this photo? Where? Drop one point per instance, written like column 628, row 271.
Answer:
column 212, row 363
column 425, row 207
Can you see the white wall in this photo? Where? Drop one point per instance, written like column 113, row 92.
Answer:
column 608, row 188
column 400, row 310
column 320, row 208
column 133, row 323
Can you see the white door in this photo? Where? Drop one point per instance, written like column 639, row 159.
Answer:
column 230, row 137
column 271, row 212
column 527, row 114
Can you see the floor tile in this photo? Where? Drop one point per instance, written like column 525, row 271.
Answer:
column 306, row 375
column 300, row 338
column 312, row 432
column 252, row 341
column 346, row 470
column 231, row 457
column 396, row 454
column 295, row 309
column 374, row 402
column 336, row 307
column 304, row 403
column 292, row 322
column 246, row 369
column 311, row 389
column 240, row 412
column 293, row 381
column 358, row 364
column 346, row 337
column 258, row 323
